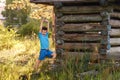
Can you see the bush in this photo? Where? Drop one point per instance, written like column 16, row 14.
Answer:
column 7, row 38
column 29, row 28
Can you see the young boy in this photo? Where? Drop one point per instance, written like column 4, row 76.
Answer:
column 44, row 42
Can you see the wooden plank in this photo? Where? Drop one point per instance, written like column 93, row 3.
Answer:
column 114, row 50
column 80, row 18
column 114, row 53
column 83, row 27
column 115, row 32
column 79, row 46
column 81, row 9
column 82, row 37
column 115, row 15
column 116, row 7
column 115, row 23
column 115, row 41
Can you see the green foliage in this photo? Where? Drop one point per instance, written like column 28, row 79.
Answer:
column 29, row 28
column 16, row 12
column 7, row 38
column 8, row 1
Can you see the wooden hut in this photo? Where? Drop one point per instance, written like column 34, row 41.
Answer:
column 84, row 26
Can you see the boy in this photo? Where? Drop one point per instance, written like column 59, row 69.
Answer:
column 44, row 42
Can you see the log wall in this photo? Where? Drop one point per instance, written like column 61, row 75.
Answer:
column 115, row 33
column 82, row 28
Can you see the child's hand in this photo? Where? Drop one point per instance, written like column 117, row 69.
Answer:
column 46, row 20
column 42, row 20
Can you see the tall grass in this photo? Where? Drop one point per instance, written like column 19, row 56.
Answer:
column 70, row 68
column 73, row 68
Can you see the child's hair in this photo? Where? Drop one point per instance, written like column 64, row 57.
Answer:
column 44, row 28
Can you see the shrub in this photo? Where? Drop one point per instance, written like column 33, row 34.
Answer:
column 7, row 38
column 29, row 28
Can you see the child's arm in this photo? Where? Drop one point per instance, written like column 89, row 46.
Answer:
column 41, row 25
column 48, row 24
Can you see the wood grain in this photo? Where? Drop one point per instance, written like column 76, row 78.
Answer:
column 81, row 9
column 80, row 18
column 83, row 27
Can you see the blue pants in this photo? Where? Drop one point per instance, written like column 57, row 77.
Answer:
column 45, row 53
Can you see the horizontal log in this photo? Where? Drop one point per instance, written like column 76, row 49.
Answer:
column 115, row 15
column 79, row 46
column 115, row 32
column 114, row 53
column 92, row 55
column 82, row 37
column 115, row 41
column 114, row 50
column 80, row 18
column 115, row 23
column 82, row 9
column 116, row 7
column 83, row 27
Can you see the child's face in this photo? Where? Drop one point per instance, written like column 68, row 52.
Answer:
column 44, row 32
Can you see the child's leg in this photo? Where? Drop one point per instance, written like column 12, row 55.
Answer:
column 53, row 55
column 37, row 65
column 40, row 58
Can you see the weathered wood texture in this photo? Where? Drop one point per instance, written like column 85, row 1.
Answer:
column 82, row 27
column 115, row 23
column 82, row 9
column 115, row 15
column 115, row 41
column 114, row 53
column 79, row 46
column 115, row 32
column 82, row 37
column 79, row 28
column 81, row 18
